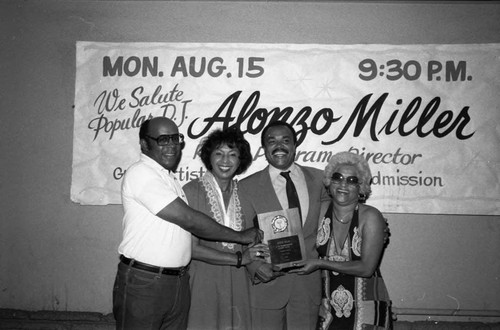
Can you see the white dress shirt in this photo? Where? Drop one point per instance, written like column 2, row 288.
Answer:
column 279, row 184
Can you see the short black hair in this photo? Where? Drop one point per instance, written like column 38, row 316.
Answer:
column 144, row 129
column 143, row 132
column 278, row 123
column 233, row 138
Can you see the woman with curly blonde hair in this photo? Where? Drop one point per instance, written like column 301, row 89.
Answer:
column 350, row 243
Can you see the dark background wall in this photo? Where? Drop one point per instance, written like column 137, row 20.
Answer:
column 57, row 255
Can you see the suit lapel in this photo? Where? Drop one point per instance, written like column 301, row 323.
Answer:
column 269, row 197
column 311, row 223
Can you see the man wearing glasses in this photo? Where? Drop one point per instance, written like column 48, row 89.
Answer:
column 151, row 289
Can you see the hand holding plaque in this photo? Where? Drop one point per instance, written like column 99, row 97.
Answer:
column 283, row 234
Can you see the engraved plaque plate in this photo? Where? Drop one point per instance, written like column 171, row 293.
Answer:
column 283, row 234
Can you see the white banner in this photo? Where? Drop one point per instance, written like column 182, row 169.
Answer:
column 425, row 116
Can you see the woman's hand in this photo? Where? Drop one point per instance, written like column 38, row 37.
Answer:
column 255, row 252
column 306, row 267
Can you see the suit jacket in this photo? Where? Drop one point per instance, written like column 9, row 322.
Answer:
column 257, row 195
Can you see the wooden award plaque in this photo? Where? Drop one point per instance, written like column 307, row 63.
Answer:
column 283, row 234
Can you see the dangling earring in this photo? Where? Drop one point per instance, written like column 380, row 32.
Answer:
column 362, row 198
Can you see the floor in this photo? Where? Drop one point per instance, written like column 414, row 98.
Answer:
column 46, row 320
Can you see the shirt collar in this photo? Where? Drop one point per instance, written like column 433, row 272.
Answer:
column 153, row 163
column 273, row 171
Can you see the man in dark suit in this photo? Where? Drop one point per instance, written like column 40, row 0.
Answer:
column 280, row 300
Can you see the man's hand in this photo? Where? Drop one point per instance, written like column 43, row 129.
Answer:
column 268, row 272
column 387, row 232
column 251, row 236
column 256, row 252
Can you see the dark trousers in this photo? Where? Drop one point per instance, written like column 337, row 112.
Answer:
column 145, row 300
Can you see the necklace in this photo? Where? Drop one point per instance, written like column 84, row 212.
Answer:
column 341, row 220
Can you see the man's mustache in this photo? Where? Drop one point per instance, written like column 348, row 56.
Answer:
column 279, row 150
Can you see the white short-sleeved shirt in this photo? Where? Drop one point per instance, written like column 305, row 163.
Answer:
column 146, row 189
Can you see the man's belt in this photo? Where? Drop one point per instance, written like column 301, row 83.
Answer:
column 153, row 269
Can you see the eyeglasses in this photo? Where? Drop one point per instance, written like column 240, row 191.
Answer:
column 338, row 178
column 165, row 139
